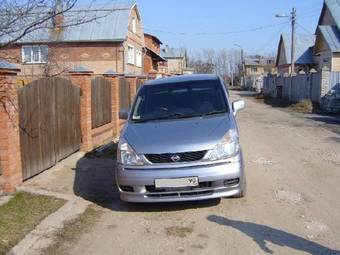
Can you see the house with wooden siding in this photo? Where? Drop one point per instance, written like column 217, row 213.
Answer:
column 327, row 45
column 111, row 39
column 154, row 65
column 304, row 59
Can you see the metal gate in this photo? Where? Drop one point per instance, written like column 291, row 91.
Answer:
column 49, row 119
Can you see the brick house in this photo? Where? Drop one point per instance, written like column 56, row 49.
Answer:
column 110, row 40
column 304, row 59
column 177, row 60
column 327, row 45
column 154, row 64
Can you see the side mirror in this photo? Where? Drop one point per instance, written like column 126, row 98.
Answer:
column 123, row 114
column 238, row 105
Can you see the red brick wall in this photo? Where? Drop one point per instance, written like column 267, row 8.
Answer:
column 152, row 44
column 9, row 133
column 97, row 57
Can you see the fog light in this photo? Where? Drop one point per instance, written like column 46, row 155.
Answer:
column 126, row 188
column 139, row 189
column 231, row 182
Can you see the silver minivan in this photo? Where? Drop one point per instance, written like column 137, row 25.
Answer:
column 180, row 142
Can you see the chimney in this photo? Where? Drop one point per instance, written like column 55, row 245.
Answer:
column 58, row 19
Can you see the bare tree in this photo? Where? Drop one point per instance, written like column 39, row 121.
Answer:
column 223, row 62
column 20, row 18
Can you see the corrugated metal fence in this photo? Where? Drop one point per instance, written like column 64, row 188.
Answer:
column 300, row 87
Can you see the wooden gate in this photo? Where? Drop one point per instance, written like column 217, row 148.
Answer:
column 101, row 102
column 49, row 117
column 124, row 94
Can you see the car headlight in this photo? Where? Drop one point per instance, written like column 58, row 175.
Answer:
column 126, row 155
column 227, row 148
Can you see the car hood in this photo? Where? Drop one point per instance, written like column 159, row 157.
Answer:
column 174, row 136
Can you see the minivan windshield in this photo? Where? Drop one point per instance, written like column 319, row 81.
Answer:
column 179, row 100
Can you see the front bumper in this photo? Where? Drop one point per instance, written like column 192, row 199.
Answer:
column 215, row 181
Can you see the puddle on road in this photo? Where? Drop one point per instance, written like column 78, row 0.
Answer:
column 263, row 161
column 288, row 196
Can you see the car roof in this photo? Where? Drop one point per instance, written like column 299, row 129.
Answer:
column 183, row 78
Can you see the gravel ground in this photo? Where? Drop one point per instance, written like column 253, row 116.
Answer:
column 292, row 205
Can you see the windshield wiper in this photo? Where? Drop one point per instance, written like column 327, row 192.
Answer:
column 166, row 117
column 179, row 116
column 213, row 113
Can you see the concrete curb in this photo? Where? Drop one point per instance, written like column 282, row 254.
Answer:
column 42, row 236
column 46, row 193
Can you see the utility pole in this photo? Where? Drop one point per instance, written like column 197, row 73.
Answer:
column 293, row 18
column 243, row 65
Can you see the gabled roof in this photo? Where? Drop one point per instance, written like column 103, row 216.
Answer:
column 253, row 61
column 168, row 52
column 102, row 23
column 331, row 34
column 155, row 55
column 304, row 44
column 334, row 8
column 154, row 38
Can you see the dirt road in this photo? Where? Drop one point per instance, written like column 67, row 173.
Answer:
column 292, row 205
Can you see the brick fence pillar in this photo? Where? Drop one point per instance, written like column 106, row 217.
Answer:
column 83, row 80
column 10, row 154
column 114, row 80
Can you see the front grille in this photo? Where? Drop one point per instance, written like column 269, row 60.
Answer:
column 172, row 157
column 181, row 194
column 202, row 185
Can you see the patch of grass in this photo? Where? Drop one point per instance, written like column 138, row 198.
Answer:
column 21, row 214
column 72, row 231
column 304, row 106
column 179, row 231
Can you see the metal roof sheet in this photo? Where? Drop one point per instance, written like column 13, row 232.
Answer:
column 101, row 23
column 303, row 48
column 168, row 52
column 7, row 65
column 334, row 8
column 331, row 35
column 183, row 78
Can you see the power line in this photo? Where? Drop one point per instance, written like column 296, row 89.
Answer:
column 305, row 29
column 218, row 33
column 272, row 37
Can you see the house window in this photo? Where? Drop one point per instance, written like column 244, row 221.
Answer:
column 134, row 28
column 254, row 69
column 131, row 55
column 138, row 58
column 34, row 54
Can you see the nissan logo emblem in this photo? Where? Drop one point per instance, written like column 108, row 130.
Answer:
column 175, row 158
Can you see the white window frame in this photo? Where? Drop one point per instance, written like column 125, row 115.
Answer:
column 134, row 25
column 131, row 58
column 139, row 58
column 31, row 61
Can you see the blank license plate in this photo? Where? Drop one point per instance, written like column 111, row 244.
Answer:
column 177, row 183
